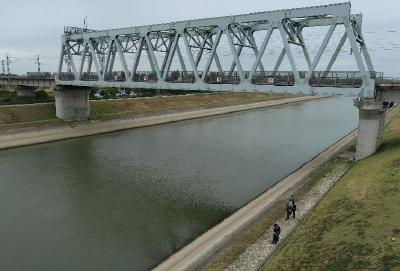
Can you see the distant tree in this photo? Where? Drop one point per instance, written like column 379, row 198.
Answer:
column 41, row 94
column 109, row 92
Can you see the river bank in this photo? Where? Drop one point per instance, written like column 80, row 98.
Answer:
column 105, row 109
column 22, row 136
column 356, row 225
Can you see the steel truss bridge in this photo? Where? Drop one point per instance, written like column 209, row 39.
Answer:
column 87, row 56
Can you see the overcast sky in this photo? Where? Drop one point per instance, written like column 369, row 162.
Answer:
column 29, row 28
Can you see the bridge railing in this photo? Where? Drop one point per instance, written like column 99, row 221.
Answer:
column 345, row 74
column 351, row 79
column 281, row 78
column 180, row 77
column 30, row 75
column 388, row 80
column 116, row 76
column 66, row 76
column 40, row 75
column 89, row 76
column 149, row 77
column 337, row 82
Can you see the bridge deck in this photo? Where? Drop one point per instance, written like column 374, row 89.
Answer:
column 27, row 81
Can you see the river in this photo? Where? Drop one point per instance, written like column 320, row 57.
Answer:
column 127, row 200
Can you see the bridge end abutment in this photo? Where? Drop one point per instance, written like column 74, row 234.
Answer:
column 72, row 103
column 370, row 127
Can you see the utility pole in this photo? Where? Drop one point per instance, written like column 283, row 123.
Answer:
column 85, row 24
column 37, row 62
column 8, row 62
column 3, row 66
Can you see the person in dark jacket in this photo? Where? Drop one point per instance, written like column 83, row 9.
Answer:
column 277, row 232
column 294, row 211
column 291, row 201
column 288, row 211
column 292, row 206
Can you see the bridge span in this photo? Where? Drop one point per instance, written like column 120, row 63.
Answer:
column 88, row 57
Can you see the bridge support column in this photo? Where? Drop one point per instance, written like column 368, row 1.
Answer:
column 370, row 127
column 72, row 103
column 25, row 91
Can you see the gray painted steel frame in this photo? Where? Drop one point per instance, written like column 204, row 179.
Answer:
column 102, row 47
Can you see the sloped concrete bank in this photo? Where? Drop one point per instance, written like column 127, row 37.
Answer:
column 17, row 137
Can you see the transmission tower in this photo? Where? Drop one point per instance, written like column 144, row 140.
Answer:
column 37, row 62
column 3, row 66
column 85, row 27
column 8, row 62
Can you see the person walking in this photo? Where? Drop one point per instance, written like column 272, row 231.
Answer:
column 277, row 232
column 294, row 211
column 293, row 207
column 291, row 201
column 288, row 211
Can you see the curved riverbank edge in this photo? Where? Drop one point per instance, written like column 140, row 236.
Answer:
column 199, row 251
column 37, row 135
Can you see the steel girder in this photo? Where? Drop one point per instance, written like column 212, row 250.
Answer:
column 201, row 39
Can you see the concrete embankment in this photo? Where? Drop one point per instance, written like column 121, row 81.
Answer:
column 34, row 135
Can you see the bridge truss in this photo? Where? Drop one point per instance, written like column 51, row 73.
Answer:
column 87, row 57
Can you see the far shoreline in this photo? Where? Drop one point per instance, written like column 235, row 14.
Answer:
column 31, row 133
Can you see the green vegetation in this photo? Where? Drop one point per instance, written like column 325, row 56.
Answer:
column 8, row 96
column 178, row 103
column 42, row 94
column 357, row 225
column 29, row 113
column 255, row 231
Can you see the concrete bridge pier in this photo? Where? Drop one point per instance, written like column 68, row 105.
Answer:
column 25, row 91
column 72, row 103
column 370, row 127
